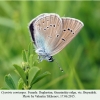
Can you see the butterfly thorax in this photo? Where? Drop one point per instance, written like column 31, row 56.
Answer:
column 43, row 55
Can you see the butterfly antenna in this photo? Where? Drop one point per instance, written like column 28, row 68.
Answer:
column 59, row 66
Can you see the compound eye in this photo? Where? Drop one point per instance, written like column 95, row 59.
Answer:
column 50, row 59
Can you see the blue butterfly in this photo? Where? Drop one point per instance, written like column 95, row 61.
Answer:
column 51, row 33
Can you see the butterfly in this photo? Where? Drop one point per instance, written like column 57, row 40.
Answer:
column 51, row 33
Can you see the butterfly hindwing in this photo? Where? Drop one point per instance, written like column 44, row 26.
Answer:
column 70, row 28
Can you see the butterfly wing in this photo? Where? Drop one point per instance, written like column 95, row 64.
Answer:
column 70, row 28
column 45, row 31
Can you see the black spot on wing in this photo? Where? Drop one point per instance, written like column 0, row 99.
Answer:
column 68, row 28
column 63, row 39
column 31, row 28
column 57, row 35
column 64, row 30
column 54, row 25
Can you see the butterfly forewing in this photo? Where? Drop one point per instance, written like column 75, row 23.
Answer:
column 70, row 28
column 47, row 30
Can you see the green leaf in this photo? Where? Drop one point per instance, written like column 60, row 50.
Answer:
column 35, row 63
column 35, row 59
column 33, row 72
column 33, row 48
column 31, row 60
column 9, row 81
column 38, row 78
column 16, row 72
column 24, row 56
column 20, row 84
column 21, row 73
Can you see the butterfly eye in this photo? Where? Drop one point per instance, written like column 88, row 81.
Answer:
column 51, row 59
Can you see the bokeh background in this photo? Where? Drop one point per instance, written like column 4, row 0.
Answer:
column 80, row 60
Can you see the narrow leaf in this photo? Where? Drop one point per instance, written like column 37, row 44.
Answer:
column 32, row 74
column 35, row 59
column 38, row 78
column 9, row 81
column 21, row 73
column 35, row 63
column 20, row 84
column 24, row 55
column 31, row 61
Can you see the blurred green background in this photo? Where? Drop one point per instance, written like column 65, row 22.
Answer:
column 80, row 60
